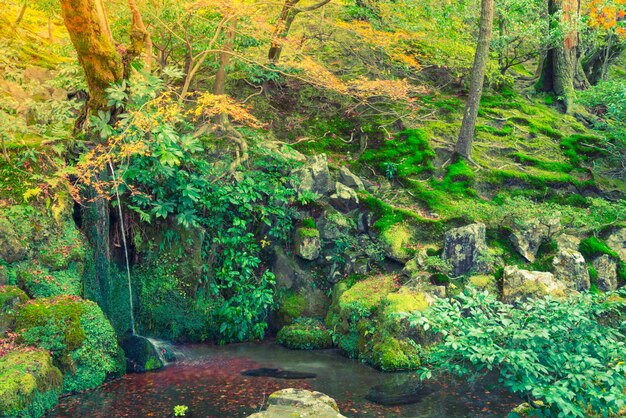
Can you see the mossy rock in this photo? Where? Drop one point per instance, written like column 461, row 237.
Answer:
column 64, row 249
column 365, row 296
column 10, row 298
column 141, row 354
column 30, row 384
column 40, row 282
column 397, row 240
column 305, row 334
column 394, row 354
column 405, row 300
column 292, row 307
column 82, row 341
column 484, row 282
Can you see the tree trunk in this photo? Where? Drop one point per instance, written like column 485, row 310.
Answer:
column 287, row 16
column 219, row 87
column 89, row 30
column 140, row 41
column 20, row 15
column 597, row 63
column 466, row 137
column 560, row 68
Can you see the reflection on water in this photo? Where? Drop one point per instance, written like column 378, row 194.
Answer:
column 208, row 379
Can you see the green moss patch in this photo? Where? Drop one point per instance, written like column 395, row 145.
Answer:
column 392, row 354
column 29, row 383
column 305, row 334
column 82, row 341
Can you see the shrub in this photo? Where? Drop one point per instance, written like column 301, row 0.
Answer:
column 564, row 354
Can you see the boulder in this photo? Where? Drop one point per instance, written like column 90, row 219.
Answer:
column 314, row 176
column 397, row 241
column 519, row 285
column 288, row 272
column 569, row 267
column 463, row 247
column 528, row 241
column 308, row 243
column 334, row 225
column 30, row 384
column 617, row 242
column 484, row 283
column 289, row 403
column 568, row 242
column 347, row 178
column 305, row 334
column 606, row 267
column 141, row 354
column 12, row 246
column 345, row 199
column 10, row 298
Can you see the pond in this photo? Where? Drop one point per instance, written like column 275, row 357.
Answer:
column 208, row 379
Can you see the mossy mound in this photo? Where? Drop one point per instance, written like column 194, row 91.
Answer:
column 305, row 334
column 40, row 282
column 82, row 341
column 366, row 320
column 397, row 240
column 292, row 307
column 29, row 383
column 10, row 298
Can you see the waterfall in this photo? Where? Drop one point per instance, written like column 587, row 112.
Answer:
column 130, row 289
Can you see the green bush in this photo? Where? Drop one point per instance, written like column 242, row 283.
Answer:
column 305, row 334
column 82, row 341
column 565, row 355
column 30, row 384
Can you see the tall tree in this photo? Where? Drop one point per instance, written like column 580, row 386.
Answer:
column 562, row 71
column 468, row 127
column 88, row 26
column 285, row 20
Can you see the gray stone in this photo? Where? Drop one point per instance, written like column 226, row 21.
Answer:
column 568, row 242
column 345, row 198
column 284, row 150
column 528, row 241
column 289, row 403
column 347, row 178
column 308, row 243
column 287, row 271
column 617, row 242
column 519, row 285
column 569, row 267
column 334, row 225
column 606, row 266
column 12, row 246
column 463, row 247
column 314, row 176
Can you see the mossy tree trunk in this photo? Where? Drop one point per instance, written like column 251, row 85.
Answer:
column 463, row 146
column 285, row 21
column 89, row 30
column 561, row 71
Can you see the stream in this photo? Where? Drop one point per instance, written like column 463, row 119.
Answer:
column 208, row 379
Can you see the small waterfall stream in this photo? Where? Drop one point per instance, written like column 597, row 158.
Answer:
column 123, row 230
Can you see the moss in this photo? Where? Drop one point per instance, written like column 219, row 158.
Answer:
column 393, row 354
column 581, row 148
column 309, row 223
column 409, row 151
column 592, row 247
column 398, row 239
column 363, row 298
column 308, row 233
column 82, row 341
column 305, row 334
column 542, row 164
column 29, row 383
column 40, row 282
column 10, row 296
column 64, row 250
column 593, row 275
column 483, row 282
column 292, row 307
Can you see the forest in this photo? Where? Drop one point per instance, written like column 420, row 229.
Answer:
column 221, row 208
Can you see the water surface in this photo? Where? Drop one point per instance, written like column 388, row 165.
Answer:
column 208, row 379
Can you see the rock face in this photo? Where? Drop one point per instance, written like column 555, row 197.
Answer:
column 617, row 242
column 12, row 247
column 528, row 241
column 314, row 176
column 606, row 267
column 519, row 285
column 308, row 244
column 463, row 247
column 347, row 178
column 289, row 403
column 141, row 354
column 345, row 198
column 570, row 268
column 568, row 242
